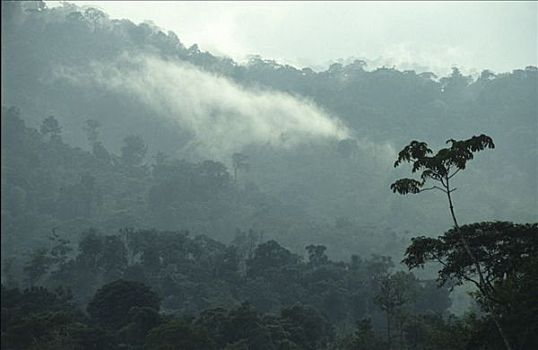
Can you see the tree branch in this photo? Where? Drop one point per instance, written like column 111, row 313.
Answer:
column 432, row 188
column 439, row 260
column 451, row 176
column 476, row 283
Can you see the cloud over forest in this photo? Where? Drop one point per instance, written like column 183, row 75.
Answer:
column 222, row 115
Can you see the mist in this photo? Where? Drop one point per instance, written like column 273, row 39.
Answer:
column 269, row 176
column 221, row 115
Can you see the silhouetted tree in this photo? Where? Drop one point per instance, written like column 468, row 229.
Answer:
column 441, row 168
column 506, row 254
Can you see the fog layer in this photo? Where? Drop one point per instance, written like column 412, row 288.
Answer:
column 221, row 115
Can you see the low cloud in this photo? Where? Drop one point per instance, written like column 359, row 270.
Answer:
column 223, row 116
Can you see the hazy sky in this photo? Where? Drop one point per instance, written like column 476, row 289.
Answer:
column 496, row 35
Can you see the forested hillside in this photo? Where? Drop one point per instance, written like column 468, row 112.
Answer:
column 54, row 64
column 155, row 196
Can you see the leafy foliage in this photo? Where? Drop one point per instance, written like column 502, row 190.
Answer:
column 112, row 302
column 500, row 247
column 255, row 292
column 506, row 254
column 440, row 167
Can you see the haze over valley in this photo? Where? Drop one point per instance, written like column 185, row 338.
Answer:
column 199, row 188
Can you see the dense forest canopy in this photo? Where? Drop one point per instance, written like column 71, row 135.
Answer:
column 247, row 206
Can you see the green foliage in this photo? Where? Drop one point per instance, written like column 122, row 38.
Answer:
column 193, row 274
column 506, row 254
column 129, row 310
column 113, row 302
column 468, row 261
column 365, row 338
column 432, row 331
column 500, row 247
column 307, row 327
column 34, row 300
column 37, row 318
column 366, row 99
column 442, row 166
column 270, row 258
column 395, row 295
column 140, row 321
column 178, row 335
column 47, row 184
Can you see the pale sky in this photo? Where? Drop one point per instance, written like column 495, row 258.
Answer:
column 500, row 36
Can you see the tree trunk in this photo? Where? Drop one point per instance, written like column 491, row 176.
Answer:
column 389, row 340
column 483, row 286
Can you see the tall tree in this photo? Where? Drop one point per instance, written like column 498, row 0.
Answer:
column 507, row 254
column 441, row 169
column 239, row 162
column 394, row 293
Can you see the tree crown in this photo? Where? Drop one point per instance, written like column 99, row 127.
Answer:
column 439, row 167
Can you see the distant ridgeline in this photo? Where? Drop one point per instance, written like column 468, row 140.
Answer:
column 107, row 161
column 333, row 192
column 42, row 48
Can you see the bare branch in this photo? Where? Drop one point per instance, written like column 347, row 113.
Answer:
column 432, row 188
column 475, row 282
column 451, row 176
column 439, row 260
